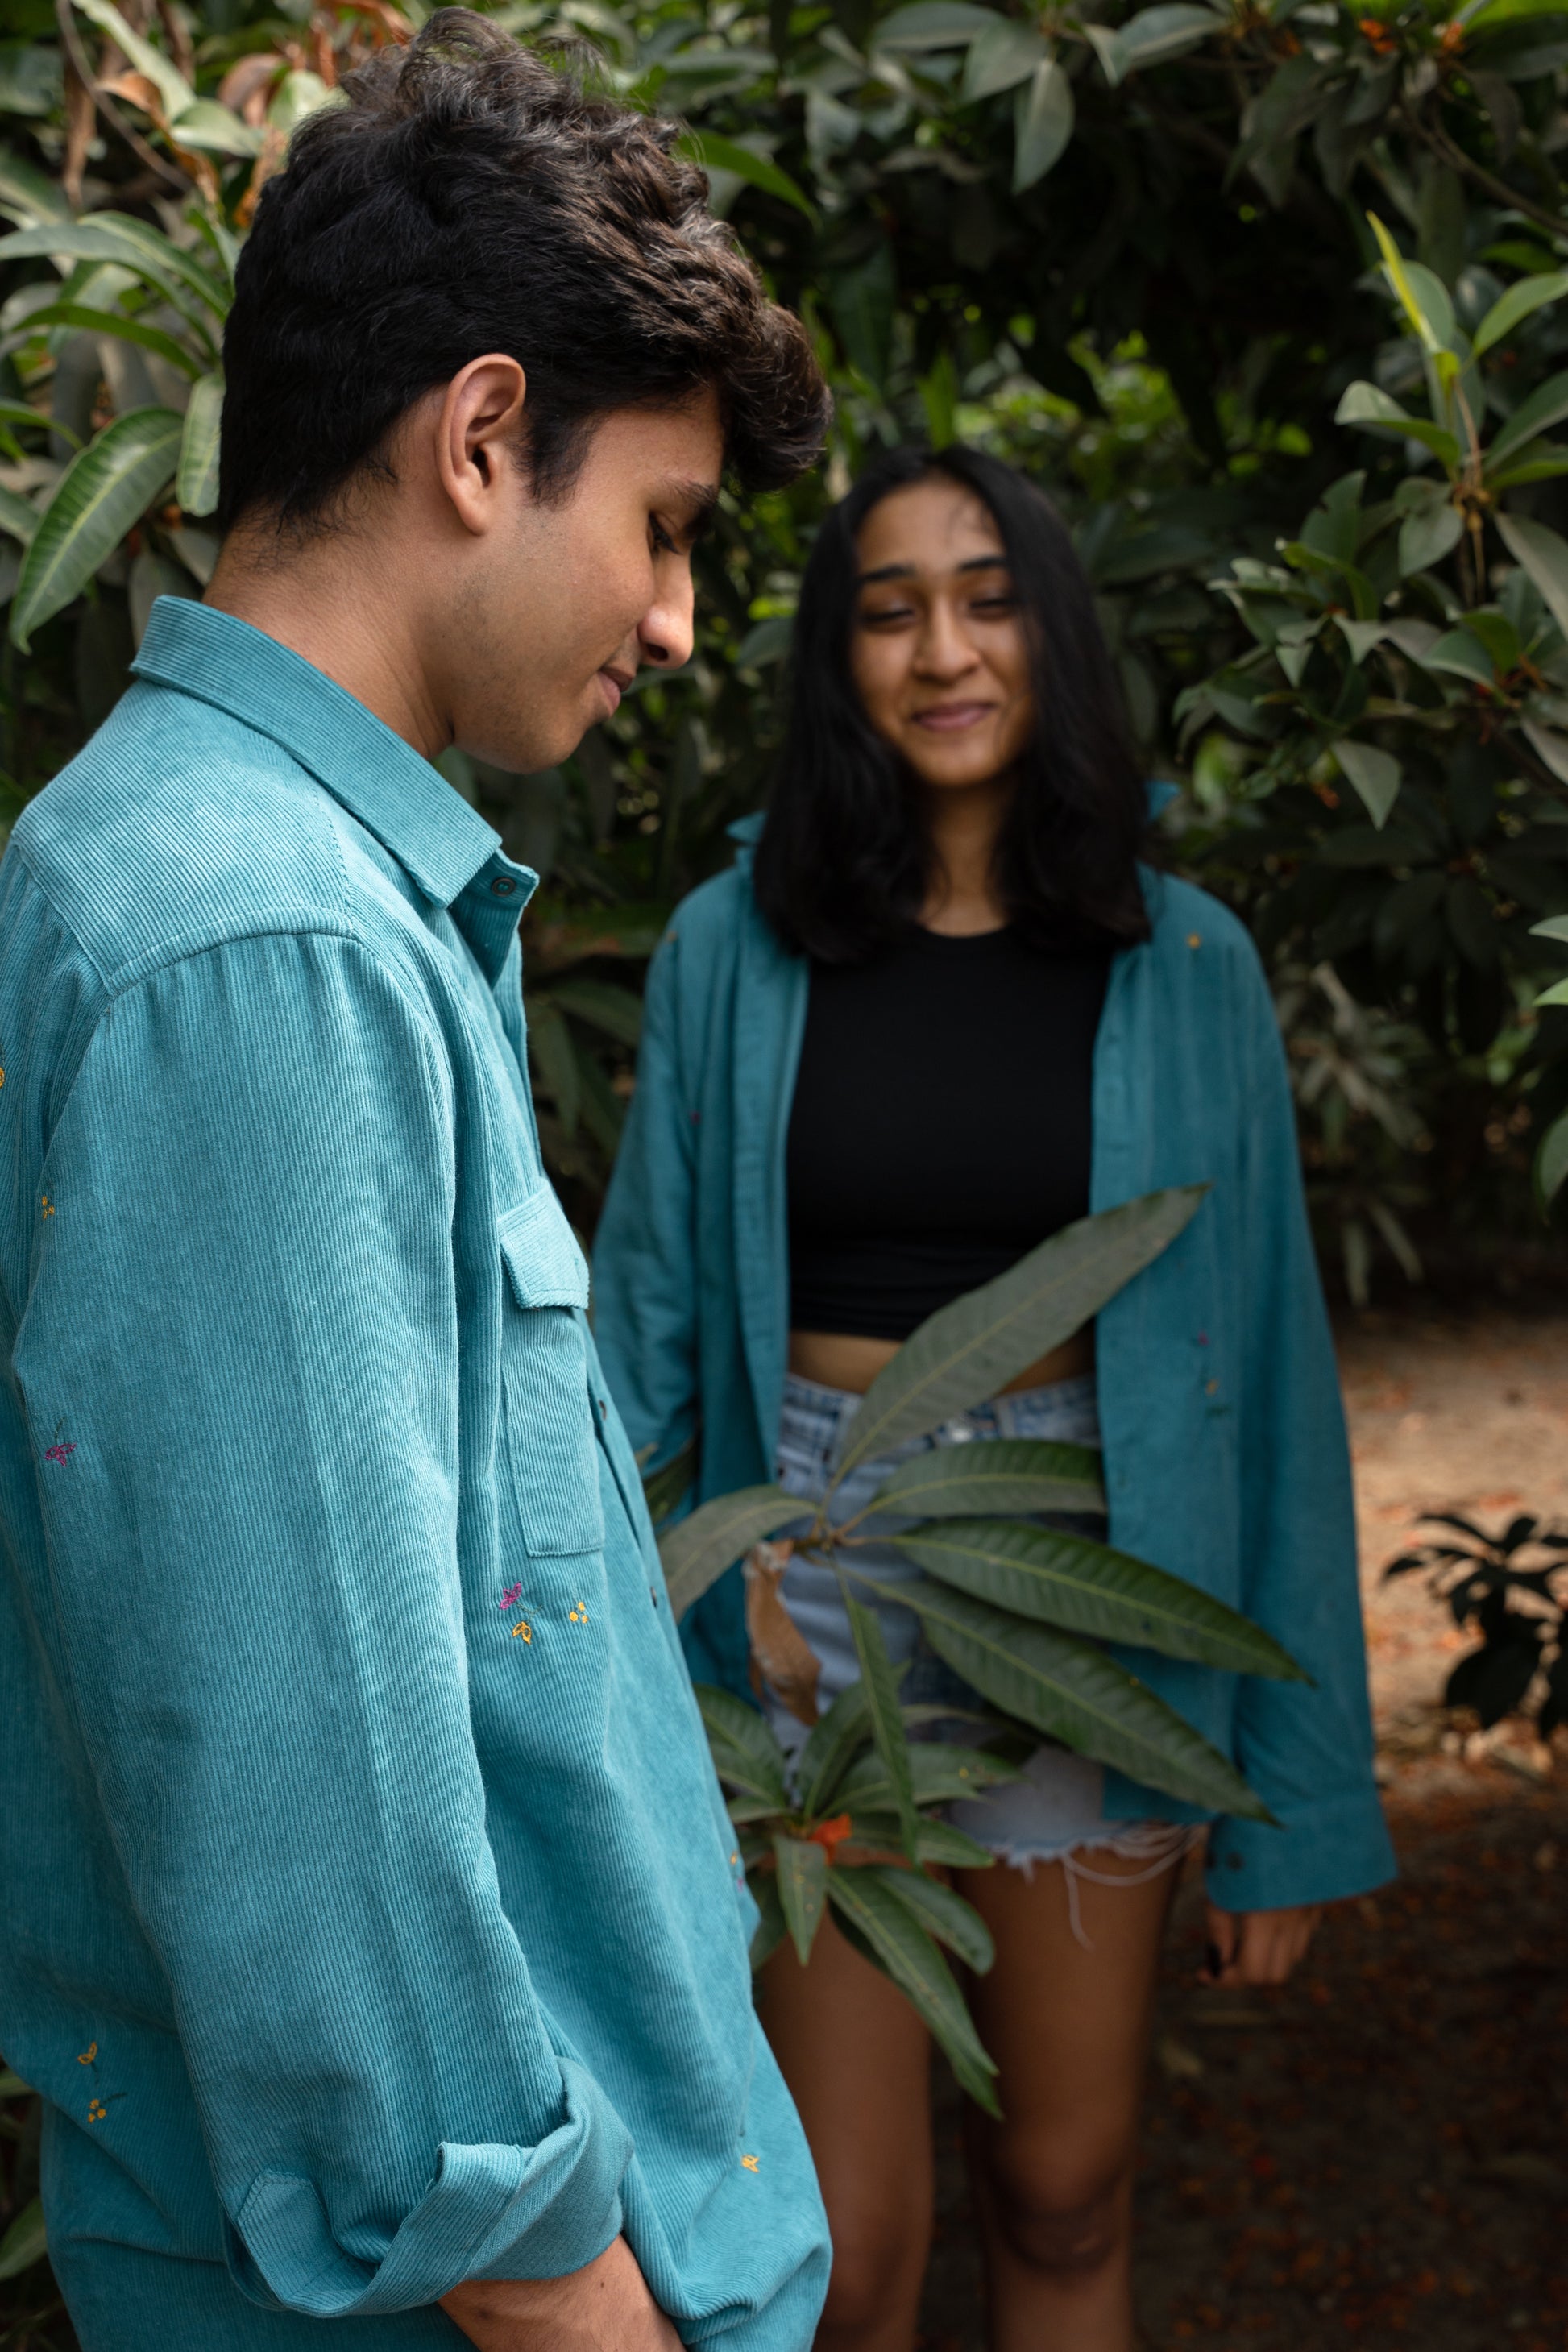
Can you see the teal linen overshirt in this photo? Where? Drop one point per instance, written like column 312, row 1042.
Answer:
column 371, row 1919
column 1225, row 1459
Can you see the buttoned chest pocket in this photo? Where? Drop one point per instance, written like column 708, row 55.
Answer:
column 553, row 1447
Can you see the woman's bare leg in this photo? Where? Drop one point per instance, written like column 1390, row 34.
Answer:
column 1069, row 2029
column 858, row 2061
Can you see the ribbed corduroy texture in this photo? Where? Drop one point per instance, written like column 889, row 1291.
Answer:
column 1225, row 1444
column 370, row 1919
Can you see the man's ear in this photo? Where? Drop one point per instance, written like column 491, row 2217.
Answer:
column 478, row 436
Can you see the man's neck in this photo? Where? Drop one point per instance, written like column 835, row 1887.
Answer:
column 329, row 612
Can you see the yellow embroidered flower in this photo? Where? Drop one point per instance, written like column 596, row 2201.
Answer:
column 85, row 2057
column 95, row 2111
column 577, row 1615
column 47, row 1205
column 522, row 1630
column 750, row 2163
column 1195, row 938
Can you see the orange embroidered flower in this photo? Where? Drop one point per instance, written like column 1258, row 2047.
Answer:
column 95, row 2111
column 85, row 2057
column 830, row 1835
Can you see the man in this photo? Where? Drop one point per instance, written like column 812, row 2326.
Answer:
column 371, row 1924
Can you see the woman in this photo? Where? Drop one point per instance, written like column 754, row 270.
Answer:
column 941, row 1011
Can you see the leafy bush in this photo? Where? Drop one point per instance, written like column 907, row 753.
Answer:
column 1513, row 1589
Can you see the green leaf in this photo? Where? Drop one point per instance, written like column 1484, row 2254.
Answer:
column 1545, row 557
column 1057, row 1579
column 602, row 1005
column 28, row 195
column 880, row 1685
column 1550, row 748
column 1375, row 411
column 716, row 155
column 830, row 1749
column 207, row 127
column 549, row 1044
column 106, row 487
column 1156, row 34
column 900, row 1946
column 771, row 1927
column 746, row 1756
column 1516, row 304
column 1071, row 1691
column 195, row 484
column 696, row 1552
column 968, row 1351
column 803, row 1888
column 1426, row 537
column 942, row 1913
column 168, row 82
column 933, row 24
column 1547, row 406
column 1377, row 775
column 116, row 322
column 1004, row 55
column 176, row 274
column 1462, row 656
column 1042, row 124
column 1552, row 1162
column 18, row 516
column 663, row 1488
column 936, row 1841
column 25, row 2241
column 1007, row 1473
column 940, row 1771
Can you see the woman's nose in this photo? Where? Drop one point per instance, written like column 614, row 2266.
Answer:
column 943, row 650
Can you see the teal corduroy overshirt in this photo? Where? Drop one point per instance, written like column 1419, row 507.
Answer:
column 1225, row 1458
column 369, row 1918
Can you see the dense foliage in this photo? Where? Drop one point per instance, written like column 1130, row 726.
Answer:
column 1131, row 248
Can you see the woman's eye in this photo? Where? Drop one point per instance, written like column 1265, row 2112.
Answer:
column 1002, row 604
column 878, row 615
column 663, row 543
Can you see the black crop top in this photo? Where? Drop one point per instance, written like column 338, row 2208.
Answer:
column 941, row 1126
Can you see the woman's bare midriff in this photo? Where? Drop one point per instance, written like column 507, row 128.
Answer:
column 845, row 1360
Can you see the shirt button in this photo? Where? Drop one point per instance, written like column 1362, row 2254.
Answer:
column 502, row 885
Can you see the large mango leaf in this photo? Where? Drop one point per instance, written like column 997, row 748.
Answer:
column 968, row 1351
column 196, row 485
column 801, row 1866
column 944, row 1914
column 746, row 1756
column 938, row 1773
column 698, row 1551
column 1073, row 1691
column 1009, row 1474
column 880, row 1685
column 886, row 1928
column 106, row 487
column 1057, row 1579
column 835, row 1738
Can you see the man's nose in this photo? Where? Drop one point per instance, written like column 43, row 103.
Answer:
column 667, row 632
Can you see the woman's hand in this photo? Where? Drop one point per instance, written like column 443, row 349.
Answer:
column 606, row 2307
column 1257, row 1948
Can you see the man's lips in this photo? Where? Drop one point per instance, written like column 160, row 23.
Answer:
column 951, row 718
column 615, row 683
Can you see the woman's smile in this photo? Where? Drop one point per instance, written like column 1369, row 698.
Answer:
column 949, row 717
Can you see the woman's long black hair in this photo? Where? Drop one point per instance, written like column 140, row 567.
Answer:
column 842, row 864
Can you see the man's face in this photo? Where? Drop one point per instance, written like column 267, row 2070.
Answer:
column 558, row 610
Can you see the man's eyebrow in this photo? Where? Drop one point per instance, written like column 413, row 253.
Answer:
column 700, row 501
column 998, row 563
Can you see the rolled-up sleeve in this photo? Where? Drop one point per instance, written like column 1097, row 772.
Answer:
column 239, row 1362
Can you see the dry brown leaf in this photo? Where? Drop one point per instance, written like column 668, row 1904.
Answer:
column 787, row 1663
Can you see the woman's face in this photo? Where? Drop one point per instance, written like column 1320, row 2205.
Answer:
column 937, row 650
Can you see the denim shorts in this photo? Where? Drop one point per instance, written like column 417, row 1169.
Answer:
column 1057, row 1807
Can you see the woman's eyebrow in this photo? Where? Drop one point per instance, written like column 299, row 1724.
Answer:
column 998, row 563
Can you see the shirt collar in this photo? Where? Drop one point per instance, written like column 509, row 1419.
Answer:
column 408, row 805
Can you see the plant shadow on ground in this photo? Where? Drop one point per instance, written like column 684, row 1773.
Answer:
column 1374, row 2156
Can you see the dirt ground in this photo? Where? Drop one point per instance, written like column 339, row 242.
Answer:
column 1377, row 2157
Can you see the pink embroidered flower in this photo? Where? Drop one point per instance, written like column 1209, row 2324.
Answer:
column 510, row 1598
column 59, row 1453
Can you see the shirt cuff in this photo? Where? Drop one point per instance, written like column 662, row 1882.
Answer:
column 489, row 2212
column 1320, row 1853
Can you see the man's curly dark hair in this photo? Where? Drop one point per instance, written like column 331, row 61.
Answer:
column 471, row 196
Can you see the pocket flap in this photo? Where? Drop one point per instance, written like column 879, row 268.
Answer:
column 546, row 1266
